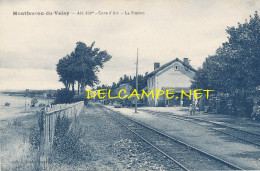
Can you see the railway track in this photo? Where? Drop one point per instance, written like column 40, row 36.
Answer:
column 249, row 137
column 184, row 155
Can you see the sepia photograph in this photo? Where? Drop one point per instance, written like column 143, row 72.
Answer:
column 136, row 85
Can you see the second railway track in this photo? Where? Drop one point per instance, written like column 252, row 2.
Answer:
column 249, row 137
column 186, row 156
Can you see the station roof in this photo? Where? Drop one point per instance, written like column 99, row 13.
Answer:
column 168, row 64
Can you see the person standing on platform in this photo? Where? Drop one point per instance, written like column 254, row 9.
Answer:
column 192, row 109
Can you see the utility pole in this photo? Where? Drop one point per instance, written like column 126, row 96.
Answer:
column 136, row 81
column 25, row 104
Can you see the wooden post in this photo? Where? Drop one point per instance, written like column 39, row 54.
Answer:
column 136, row 80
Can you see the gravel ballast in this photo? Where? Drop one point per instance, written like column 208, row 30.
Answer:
column 113, row 147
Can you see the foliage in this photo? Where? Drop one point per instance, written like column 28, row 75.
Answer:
column 33, row 102
column 35, row 137
column 37, row 131
column 65, row 71
column 7, row 104
column 17, row 122
column 142, row 82
column 64, row 96
column 82, row 66
column 81, row 97
column 41, row 105
column 235, row 66
column 67, row 145
column 41, row 120
column 234, row 69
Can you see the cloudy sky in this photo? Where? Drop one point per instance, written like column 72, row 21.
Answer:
column 30, row 46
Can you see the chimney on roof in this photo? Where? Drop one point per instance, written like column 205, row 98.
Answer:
column 186, row 61
column 156, row 65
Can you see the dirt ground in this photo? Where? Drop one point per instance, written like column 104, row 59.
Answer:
column 110, row 145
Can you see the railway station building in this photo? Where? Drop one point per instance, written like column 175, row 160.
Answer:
column 176, row 74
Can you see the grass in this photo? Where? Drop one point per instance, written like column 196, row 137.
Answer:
column 16, row 151
column 19, row 142
column 68, row 146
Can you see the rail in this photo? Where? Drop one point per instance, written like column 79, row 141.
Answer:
column 200, row 153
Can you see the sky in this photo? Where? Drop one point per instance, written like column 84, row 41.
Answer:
column 31, row 46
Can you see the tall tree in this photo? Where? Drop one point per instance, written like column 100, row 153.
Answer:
column 65, row 71
column 88, row 61
column 235, row 66
column 82, row 65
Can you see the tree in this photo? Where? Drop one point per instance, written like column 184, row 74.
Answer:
column 142, row 82
column 244, row 41
column 88, row 61
column 234, row 69
column 34, row 101
column 236, row 64
column 82, row 66
column 65, row 70
column 64, row 96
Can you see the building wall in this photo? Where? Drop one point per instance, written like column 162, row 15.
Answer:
column 150, row 86
column 175, row 75
column 172, row 77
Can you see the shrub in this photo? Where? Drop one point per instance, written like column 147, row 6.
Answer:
column 33, row 102
column 41, row 105
column 34, row 137
column 7, row 104
column 82, row 97
column 64, row 96
column 67, row 145
column 17, row 122
column 37, row 131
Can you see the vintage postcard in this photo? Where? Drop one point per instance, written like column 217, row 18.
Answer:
column 129, row 85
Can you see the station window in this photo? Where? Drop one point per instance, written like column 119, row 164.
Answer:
column 176, row 67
